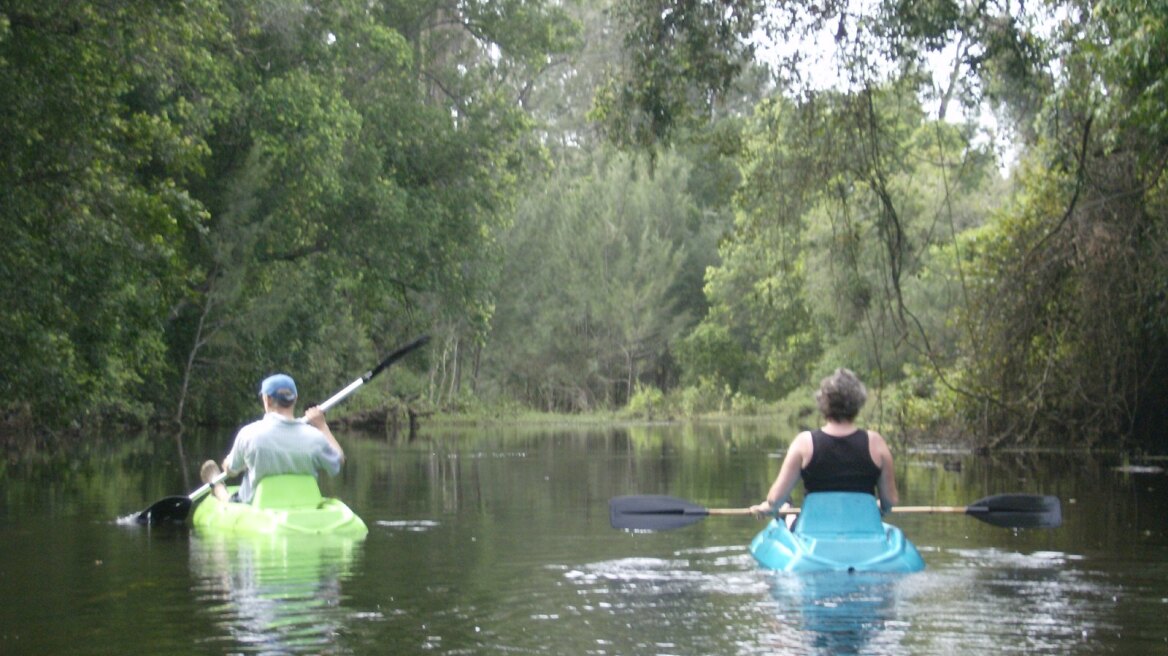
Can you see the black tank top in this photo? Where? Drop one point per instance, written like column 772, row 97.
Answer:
column 840, row 464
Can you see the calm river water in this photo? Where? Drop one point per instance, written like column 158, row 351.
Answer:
column 497, row 541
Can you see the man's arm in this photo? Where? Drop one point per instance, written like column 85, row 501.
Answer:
column 315, row 418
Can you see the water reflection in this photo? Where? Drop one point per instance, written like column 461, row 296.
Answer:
column 487, row 543
column 274, row 594
column 706, row 570
column 646, row 605
column 1038, row 602
column 837, row 612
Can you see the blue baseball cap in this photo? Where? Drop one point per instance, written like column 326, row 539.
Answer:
column 280, row 387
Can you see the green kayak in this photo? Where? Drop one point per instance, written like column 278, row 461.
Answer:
column 285, row 504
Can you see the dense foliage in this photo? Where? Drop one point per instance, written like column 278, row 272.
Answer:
column 873, row 237
column 198, row 193
column 591, row 205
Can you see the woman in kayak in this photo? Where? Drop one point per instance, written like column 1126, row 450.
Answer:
column 277, row 443
column 838, row 457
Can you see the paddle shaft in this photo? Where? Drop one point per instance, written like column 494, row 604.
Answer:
column 728, row 511
column 365, row 378
column 895, row 509
column 207, row 487
column 659, row 512
column 931, row 509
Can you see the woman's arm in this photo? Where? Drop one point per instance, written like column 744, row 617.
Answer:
column 789, row 474
column 886, row 484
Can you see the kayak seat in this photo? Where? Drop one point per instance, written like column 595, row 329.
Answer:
column 839, row 514
column 287, row 491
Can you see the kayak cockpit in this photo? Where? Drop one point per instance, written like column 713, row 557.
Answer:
column 288, row 503
column 836, row 531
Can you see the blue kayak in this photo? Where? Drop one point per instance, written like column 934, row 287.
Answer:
column 836, row 532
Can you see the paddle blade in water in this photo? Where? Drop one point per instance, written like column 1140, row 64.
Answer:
column 1018, row 511
column 167, row 511
column 653, row 512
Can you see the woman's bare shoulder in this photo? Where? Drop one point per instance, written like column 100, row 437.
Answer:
column 878, row 447
column 803, row 443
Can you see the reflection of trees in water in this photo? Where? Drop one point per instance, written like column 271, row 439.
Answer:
column 275, row 593
column 1105, row 488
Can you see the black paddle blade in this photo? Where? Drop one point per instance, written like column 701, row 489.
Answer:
column 653, row 512
column 1018, row 511
column 397, row 355
column 170, row 510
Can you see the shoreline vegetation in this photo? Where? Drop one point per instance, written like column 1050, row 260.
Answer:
column 904, row 418
column 781, row 422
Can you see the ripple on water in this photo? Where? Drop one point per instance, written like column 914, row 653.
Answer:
column 967, row 601
column 413, row 526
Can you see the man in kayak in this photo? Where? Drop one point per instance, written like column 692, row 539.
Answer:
column 277, row 443
column 839, row 457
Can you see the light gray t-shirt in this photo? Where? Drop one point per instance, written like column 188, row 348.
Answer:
column 278, row 445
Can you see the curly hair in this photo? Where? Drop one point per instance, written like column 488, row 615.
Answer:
column 841, row 395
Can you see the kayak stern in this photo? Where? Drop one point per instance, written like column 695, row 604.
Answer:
column 836, row 531
column 285, row 504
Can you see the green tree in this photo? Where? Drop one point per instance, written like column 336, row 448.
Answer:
column 1024, row 360
column 105, row 121
column 590, row 269
column 360, row 184
column 680, row 59
column 202, row 192
column 844, row 204
column 1070, row 281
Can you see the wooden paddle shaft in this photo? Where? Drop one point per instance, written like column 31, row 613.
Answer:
column 895, row 509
